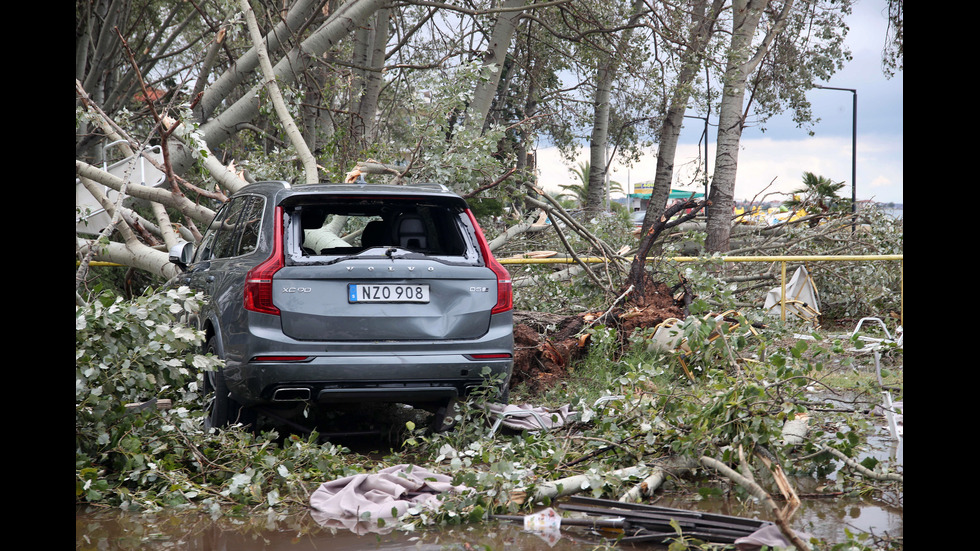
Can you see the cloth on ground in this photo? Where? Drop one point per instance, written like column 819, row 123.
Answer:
column 528, row 417
column 387, row 494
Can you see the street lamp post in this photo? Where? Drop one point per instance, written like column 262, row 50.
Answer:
column 704, row 135
column 854, row 122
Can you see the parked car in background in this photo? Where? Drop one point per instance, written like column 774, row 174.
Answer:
column 335, row 294
column 638, row 218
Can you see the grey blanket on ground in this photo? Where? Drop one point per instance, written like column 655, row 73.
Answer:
column 532, row 418
column 387, row 494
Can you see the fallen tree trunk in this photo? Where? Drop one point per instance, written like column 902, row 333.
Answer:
column 573, row 484
column 781, row 520
column 657, row 477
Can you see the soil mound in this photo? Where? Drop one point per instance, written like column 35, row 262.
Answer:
column 545, row 344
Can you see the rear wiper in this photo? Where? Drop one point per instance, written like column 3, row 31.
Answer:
column 340, row 259
column 388, row 252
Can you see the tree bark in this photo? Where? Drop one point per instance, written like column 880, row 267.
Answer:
column 340, row 24
column 299, row 15
column 368, row 105
column 493, row 62
column 731, row 115
column 670, row 130
column 746, row 16
column 188, row 208
column 285, row 118
column 606, row 74
column 595, row 192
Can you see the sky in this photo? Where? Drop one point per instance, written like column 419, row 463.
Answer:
column 774, row 161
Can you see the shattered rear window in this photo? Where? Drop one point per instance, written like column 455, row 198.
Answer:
column 366, row 227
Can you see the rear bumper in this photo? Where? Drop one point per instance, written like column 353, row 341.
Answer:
column 413, row 372
column 347, row 379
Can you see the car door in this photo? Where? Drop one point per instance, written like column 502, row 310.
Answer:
column 229, row 249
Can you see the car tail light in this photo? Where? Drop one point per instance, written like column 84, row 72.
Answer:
column 258, row 280
column 499, row 356
column 505, row 290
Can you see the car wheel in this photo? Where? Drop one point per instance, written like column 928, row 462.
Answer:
column 222, row 410
column 503, row 397
column 444, row 417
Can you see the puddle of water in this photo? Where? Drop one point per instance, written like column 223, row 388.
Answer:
column 826, row 519
column 120, row 530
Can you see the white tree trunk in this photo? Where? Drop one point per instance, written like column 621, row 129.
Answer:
column 606, row 74
column 244, row 67
column 702, row 28
column 339, row 25
column 289, row 125
column 486, row 89
column 368, row 107
column 188, row 208
column 731, row 117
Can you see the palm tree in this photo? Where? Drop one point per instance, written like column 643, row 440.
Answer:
column 580, row 190
column 817, row 193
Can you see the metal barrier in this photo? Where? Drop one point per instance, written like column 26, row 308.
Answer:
column 781, row 259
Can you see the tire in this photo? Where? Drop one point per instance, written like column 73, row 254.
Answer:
column 221, row 409
column 503, row 397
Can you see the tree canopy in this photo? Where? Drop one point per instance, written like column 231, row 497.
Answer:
column 460, row 94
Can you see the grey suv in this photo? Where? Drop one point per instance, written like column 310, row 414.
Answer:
column 346, row 293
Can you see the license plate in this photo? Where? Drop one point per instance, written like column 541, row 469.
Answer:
column 387, row 293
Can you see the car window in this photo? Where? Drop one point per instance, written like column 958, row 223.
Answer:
column 206, row 250
column 344, row 227
column 235, row 229
column 251, row 225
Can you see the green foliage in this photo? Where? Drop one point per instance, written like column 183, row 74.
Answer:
column 128, row 352
column 578, row 192
column 818, row 193
column 145, row 458
column 431, row 135
column 633, row 405
column 131, row 352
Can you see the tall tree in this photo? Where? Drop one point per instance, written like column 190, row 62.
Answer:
column 505, row 24
column 607, row 71
column 768, row 70
column 742, row 60
column 703, row 16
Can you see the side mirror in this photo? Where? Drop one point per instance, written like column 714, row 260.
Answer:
column 181, row 254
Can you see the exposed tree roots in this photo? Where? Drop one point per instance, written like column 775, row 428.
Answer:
column 546, row 344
